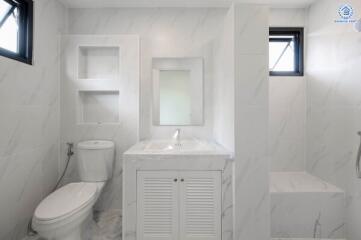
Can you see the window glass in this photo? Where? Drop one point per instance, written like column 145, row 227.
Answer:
column 281, row 56
column 4, row 8
column 286, row 51
column 16, row 30
column 9, row 27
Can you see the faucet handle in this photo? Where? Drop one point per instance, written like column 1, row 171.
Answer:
column 176, row 133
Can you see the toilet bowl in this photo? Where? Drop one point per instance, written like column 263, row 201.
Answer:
column 63, row 214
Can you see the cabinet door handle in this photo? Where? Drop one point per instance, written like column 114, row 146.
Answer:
column 182, row 180
column 175, row 180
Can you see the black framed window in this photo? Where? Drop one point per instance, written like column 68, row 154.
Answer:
column 285, row 51
column 16, row 30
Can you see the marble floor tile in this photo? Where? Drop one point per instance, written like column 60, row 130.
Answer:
column 305, row 239
column 105, row 225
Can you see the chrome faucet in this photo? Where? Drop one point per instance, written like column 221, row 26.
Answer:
column 177, row 136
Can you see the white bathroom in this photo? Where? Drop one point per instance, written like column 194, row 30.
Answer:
column 180, row 119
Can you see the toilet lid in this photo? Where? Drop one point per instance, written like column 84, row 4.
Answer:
column 65, row 200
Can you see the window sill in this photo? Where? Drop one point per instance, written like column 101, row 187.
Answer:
column 286, row 74
column 14, row 56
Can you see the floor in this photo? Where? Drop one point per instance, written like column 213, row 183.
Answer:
column 107, row 225
column 305, row 239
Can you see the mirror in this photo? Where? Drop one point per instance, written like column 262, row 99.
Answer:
column 174, row 97
column 177, row 91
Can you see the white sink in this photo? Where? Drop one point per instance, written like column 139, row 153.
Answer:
column 182, row 146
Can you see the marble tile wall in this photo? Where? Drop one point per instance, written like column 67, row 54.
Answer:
column 251, row 180
column 333, row 102
column 223, row 84
column 29, row 123
column 125, row 132
column 287, row 105
column 333, row 92
column 305, row 239
column 223, row 95
column 164, row 32
column 190, row 32
column 241, row 106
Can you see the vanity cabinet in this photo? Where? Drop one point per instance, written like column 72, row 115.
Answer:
column 179, row 205
column 180, row 191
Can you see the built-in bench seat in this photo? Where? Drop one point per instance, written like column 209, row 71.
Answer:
column 304, row 206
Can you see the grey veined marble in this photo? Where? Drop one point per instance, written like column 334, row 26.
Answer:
column 304, row 239
column 105, row 225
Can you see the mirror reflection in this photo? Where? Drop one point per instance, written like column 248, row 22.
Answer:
column 174, row 97
column 178, row 91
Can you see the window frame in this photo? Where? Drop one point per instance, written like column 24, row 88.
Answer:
column 25, row 44
column 298, row 33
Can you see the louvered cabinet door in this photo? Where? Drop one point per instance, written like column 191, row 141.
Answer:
column 157, row 205
column 200, row 205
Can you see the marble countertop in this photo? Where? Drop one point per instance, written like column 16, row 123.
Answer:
column 193, row 147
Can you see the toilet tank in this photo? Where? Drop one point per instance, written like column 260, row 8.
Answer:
column 95, row 160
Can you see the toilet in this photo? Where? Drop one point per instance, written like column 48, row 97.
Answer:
column 63, row 214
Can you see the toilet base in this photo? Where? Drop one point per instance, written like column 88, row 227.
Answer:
column 70, row 230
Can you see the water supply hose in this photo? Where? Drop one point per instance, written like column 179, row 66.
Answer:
column 30, row 230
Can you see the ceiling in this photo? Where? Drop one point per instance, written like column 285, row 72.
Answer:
column 179, row 3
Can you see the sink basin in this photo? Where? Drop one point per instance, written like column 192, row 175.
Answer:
column 182, row 146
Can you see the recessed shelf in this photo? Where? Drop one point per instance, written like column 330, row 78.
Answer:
column 95, row 62
column 98, row 106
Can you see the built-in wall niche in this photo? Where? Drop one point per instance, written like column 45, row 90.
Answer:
column 98, row 62
column 98, row 107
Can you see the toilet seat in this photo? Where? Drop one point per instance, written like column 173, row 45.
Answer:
column 66, row 201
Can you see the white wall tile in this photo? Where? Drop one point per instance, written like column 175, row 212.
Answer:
column 124, row 132
column 287, row 122
column 164, row 32
column 287, row 105
column 288, row 17
column 29, row 123
column 251, row 184
column 333, row 98
column 224, row 74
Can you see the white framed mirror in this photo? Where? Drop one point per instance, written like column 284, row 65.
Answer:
column 177, row 91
